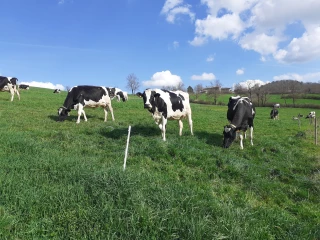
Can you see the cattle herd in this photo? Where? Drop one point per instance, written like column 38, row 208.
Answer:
column 163, row 105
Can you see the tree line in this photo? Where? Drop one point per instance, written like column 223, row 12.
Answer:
column 259, row 94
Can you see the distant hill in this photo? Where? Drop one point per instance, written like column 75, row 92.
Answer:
column 291, row 86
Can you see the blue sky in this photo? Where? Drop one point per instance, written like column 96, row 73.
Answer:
column 59, row 43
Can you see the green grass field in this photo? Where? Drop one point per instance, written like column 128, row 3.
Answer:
column 66, row 180
column 272, row 98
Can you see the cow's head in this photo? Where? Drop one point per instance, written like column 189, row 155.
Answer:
column 229, row 135
column 148, row 98
column 14, row 80
column 120, row 94
column 111, row 92
column 63, row 113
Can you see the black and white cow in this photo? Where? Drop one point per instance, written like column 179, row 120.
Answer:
column 311, row 116
column 274, row 114
column 125, row 95
column 80, row 97
column 9, row 84
column 57, row 91
column 118, row 93
column 240, row 114
column 24, row 86
column 167, row 105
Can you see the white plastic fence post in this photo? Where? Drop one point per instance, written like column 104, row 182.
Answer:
column 126, row 152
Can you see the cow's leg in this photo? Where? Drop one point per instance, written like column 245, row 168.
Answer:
column 111, row 110
column 241, row 140
column 80, row 111
column 105, row 113
column 181, row 127
column 163, row 128
column 16, row 91
column 237, row 135
column 11, row 92
column 190, row 123
column 251, row 135
column 84, row 115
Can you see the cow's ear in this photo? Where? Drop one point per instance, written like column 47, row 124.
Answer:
column 157, row 95
column 139, row 94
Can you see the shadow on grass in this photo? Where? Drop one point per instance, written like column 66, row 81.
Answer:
column 145, row 131
column 72, row 118
column 210, row 138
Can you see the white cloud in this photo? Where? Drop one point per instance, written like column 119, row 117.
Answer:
column 198, row 41
column 210, row 59
column 172, row 8
column 44, row 85
column 262, row 26
column 61, row 2
column 163, row 79
column 176, row 44
column 240, row 71
column 204, row 77
column 261, row 43
column 309, row 77
column 301, row 49
column 251, row 83
column 263, row 59
column 170, row 4
column 219, row 28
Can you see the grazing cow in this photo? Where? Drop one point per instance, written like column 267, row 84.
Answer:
column 311, row 116
column 125, row 95
column 80, row 97
column 9, row 84
column 24, row 86
column 167, row 105
column 118, row 93
column 274, row 114
column 57, row 91
column 240, row 114
column 277, row 105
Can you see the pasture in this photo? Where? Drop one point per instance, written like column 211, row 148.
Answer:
column 62, row 180
column 309, row 100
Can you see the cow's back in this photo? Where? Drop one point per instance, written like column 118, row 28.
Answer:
column 179, row 105
column 85, row 94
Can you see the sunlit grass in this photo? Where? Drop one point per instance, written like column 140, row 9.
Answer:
column 66, row 180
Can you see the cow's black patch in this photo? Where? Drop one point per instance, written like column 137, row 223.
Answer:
column 3, row 82
column 176, row 100
column 160, row 104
